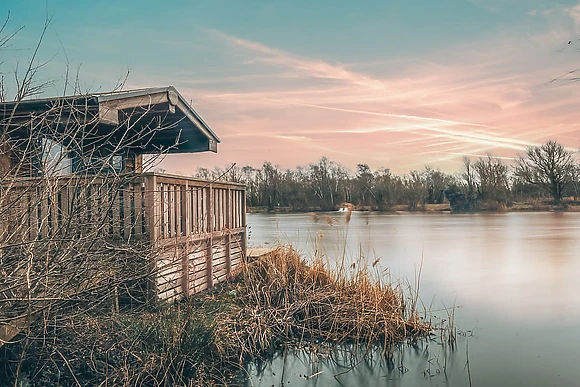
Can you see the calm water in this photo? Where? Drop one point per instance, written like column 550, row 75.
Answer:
column 515, row 279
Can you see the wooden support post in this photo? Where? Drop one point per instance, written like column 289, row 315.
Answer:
column 209, row 240
column 228, row 231
column 185, row 271
column 244, row 225
column 152, row 207
column 152, row 217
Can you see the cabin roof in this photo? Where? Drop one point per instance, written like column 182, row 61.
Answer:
column 168, row 123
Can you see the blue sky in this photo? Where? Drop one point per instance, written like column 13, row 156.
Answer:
column 398, row 84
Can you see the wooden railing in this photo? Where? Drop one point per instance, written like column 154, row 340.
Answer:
column 185, row 206
column 197, row 229
column 150, row 205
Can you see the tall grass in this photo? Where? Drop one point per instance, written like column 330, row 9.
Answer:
column 281, row 300
column 275, row 302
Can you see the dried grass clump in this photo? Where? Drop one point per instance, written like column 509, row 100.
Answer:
column 281, row 300
column 276, row 301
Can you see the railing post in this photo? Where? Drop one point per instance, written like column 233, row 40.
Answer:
column 152, row 217
column 152, row 209
column 186, row 208
column 209, row 240
column 245, row 233
column 138, row 189
column 228, row 226
column 128, row 198
column 185, row 269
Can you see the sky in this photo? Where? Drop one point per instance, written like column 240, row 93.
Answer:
column 393, row 84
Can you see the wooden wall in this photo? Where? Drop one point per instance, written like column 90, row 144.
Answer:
column 184, row 269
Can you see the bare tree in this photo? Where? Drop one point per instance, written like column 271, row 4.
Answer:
column 549, row 166
column 493, row 178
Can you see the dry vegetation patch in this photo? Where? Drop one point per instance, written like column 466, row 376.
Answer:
column 280, row 300
column 276, row 301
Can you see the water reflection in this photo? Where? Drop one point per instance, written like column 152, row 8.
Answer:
column 514, row 276
column 422, row 362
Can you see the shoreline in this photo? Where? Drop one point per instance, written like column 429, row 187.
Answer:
column 433, row 208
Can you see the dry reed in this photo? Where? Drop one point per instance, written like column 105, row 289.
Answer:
column 279, row 300
column 275, row 302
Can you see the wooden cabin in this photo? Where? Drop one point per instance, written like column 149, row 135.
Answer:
column 80, row 164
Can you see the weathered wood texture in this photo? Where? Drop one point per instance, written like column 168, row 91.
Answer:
column 197, row 227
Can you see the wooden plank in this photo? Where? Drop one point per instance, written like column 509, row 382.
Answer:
column 33, row 213
column 169, row 229
column 196, row 197
column 152, row 208
column 209, row 275
column 138, row 191
column 116, row 207
column 44, row 215
column 128, row 200
column 172, row 222
column 53, row 211
column 164, row 210
column 259, row 251
column 229, row 218
column 185, row 274
column 244, row 225
column 151, row 219
column 223, row 213
column 203, row 225
column 218, row 208
column 200, row 237
column 108, row 204
column 65, row 202
column 186, row 209
column 99, row 213
column 95, row 207
column 178, row 213
column 235, row 222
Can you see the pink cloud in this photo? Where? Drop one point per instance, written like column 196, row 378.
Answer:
column 492, row 96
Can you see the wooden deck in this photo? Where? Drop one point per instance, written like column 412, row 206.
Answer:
column 197, row 228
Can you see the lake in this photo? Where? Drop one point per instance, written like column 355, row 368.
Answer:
column 514, row 278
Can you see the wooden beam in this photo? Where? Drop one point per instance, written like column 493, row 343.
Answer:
column 108, row 114
column 146, row 101
column 152, row 207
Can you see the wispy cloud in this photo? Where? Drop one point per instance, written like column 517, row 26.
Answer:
column 493, row 95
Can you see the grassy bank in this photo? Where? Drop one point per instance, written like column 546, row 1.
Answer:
column 271, row 303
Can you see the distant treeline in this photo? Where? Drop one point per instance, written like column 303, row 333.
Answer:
column 545, row 172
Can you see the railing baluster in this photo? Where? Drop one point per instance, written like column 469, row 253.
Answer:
column 128, row 199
